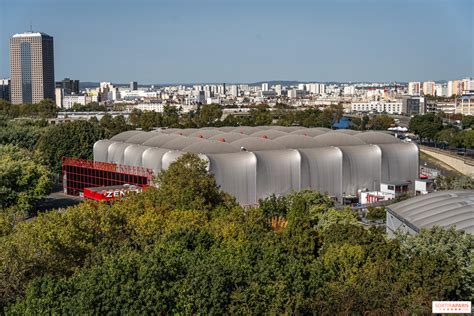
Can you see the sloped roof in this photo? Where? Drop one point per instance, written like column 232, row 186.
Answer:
column 297, row 141
column 160, row 139
column 377, row 138
column 442, row 208
column 309, row 132
column 205, row 133
column 338, row 139
column 257, row 143
column 211, row 147
column 271, row 134
column 347, row 131
column 121, row 137
column 246, row 130
column 180, row 142
column 228, row 137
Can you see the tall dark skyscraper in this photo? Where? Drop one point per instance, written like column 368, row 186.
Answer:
column 32, row 67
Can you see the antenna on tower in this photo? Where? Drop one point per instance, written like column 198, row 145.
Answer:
column 31, row 27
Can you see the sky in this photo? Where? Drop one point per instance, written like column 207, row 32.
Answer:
column 191, row 41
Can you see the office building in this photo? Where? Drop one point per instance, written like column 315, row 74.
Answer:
column 69, row 86
column 264, row 86
column 133, row 85
column 31, row 67
column 5, row 89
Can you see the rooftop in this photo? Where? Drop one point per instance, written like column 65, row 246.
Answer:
column 442, row 208
column 30, row 34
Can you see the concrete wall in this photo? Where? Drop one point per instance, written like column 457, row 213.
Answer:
column 457, row 163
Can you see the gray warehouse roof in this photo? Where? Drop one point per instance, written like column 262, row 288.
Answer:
column 442, row 208
column 377, row 138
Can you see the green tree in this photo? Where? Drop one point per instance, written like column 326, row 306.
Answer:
column 381, row 122
column 426, row 126
column 260, row 115
column 171, row 116
column 208, row 115
column 186, row 184
column 73, row 139
column 23, row 181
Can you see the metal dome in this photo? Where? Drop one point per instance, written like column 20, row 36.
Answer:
column 297, row 141
column 270, row 134
column 257, row 143
column 347, row 131
column 377, row 138
column 338, row 139
column 211, row 147
column 180, row 142
column 309, row 132
column 161, row 139
column 121, row 137
column 246, row 130
column 205, row 133
column 228, row 137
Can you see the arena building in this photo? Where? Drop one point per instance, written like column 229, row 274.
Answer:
column 253, row 162
column 442, row 208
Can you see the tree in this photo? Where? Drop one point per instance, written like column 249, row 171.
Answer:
column 24, row 134
column 260, row 115
column 148, row 120
column 381, row 122
column 73, row 139
column 23, row 181
column 134, row 118
column 426, row 126
column 188, row 185
column 208, row 115
column 171, row 116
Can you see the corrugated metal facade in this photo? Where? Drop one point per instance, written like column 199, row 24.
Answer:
column 254, row 162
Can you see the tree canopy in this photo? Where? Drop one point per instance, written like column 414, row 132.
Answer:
column 181, row 249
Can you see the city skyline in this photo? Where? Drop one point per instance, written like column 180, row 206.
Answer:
column 322, row 42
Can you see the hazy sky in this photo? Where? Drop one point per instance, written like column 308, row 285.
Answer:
column 249, row 40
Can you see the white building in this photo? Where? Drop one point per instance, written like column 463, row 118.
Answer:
column 429, row 88
column 264, row 86
column 69, row 100
column 156, row 107
column 414, row 88
column 453, row 88
column 378, row 107
column 234, row 91
column 349, row 90
column 440, row 90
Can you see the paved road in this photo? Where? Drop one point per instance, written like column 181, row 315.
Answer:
column 57, row 199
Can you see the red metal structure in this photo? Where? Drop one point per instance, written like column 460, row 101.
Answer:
column 78, row 174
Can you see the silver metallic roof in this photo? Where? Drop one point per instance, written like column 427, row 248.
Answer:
column 442, row 208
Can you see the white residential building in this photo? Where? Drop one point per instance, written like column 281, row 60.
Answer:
column 414, row 88
column 378, row 107
column 429, row 88
column 264, row 86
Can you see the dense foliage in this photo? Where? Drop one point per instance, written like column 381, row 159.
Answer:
column 151, row 253
column 454, row 183
column 23, row 181
column 44, row 109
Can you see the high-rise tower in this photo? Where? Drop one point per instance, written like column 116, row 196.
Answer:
column 31, row 67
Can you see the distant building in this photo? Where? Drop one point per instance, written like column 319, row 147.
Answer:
column 378, row 107
column 414, row 88
column 31, row 67
column 440, row 90
column 69, row 86
column 466, row 107
column 264, row 86
column 429, row 88
column 133, row 85
column 411, row 105
column 467, row 86
column 69, row 100
column 5, row 89
column 453, row 88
